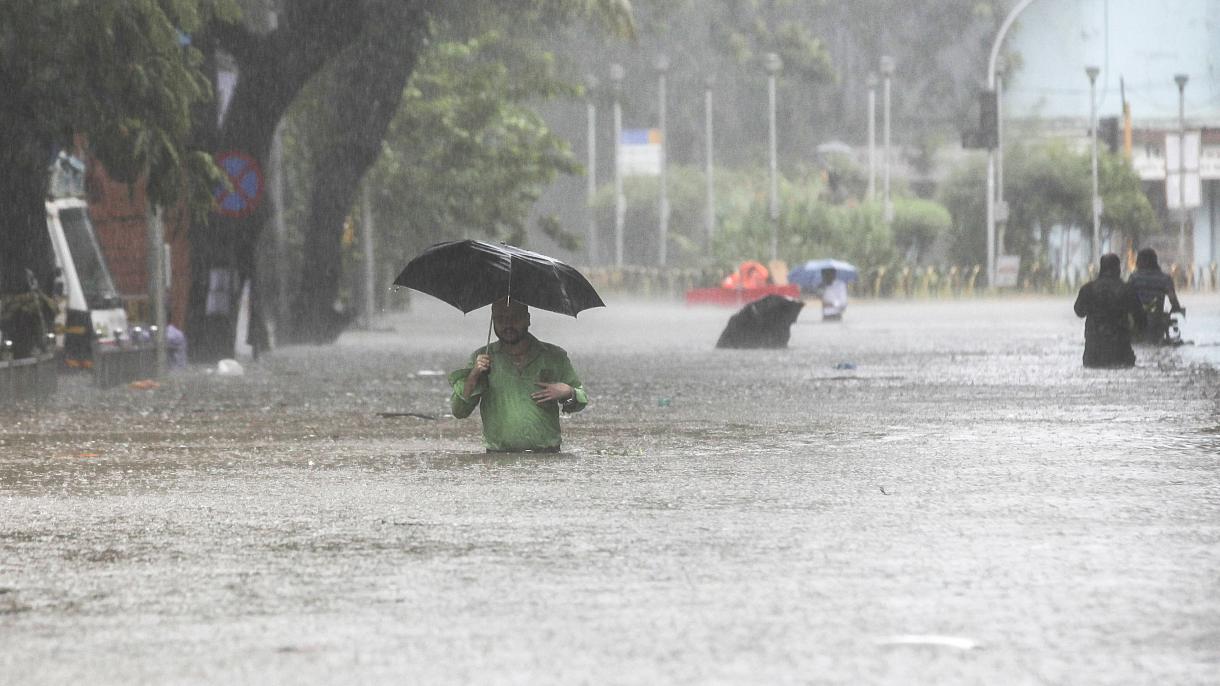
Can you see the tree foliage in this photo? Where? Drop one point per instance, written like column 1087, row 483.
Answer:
column 1046, row 185
column 464, row 152
column 121, row 72
column 466, row 155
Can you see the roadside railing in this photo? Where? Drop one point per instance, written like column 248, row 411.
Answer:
column 114, row 365
column 28, row 379
column 953, row 281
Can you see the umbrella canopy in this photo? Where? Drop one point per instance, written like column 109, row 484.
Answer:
column 764, row 323
column 470, row 274
column 809, row 275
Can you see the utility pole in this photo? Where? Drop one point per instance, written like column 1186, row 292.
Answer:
column 620, row 210
column 872, row 136
column 367, row 232
column 1092, row 73
column 156, row 284
column 773, row 65
column 662, row 66
column 1181, row 79
column 591, row 168
column 709, row 219
column 281, row 230
column 887, row 73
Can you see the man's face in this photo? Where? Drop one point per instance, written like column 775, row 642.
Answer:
column 510, row 322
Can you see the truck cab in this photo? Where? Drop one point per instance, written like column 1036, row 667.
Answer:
column 91, row 312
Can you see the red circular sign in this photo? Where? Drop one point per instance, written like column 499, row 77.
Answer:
column 246, row 179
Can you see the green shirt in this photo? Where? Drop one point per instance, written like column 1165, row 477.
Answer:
column 512, row 421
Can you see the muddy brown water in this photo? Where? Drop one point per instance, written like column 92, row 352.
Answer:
column 926, row 492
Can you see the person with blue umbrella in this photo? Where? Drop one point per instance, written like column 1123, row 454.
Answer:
column 833, row 292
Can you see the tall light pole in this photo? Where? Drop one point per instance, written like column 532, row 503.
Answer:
column 872, row 136
column 1001, row 211
column 591, row 174
column 1181, row 79
column 620, row 210
column 368, row 231
column 773, row 64
column 156, row 285
column 1092, row 73
column 709, row 219
column 887, row 72
column 662, row 66
column 992, row 153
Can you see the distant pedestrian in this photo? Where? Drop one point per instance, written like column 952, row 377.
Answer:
column 833, row 292
column 1153, row 287
column 1112, row 311
column 175, row 347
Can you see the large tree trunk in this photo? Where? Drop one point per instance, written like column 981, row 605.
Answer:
column 361, row 99
column 272, row 68
column 24, row 179
column 24, row 242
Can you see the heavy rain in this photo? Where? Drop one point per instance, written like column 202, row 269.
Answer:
column 845, row 294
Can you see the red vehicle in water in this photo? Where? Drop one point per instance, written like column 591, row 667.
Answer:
column 751, row 281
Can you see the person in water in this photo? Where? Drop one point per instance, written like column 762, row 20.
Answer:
column 1111, row 310
column 520, row 385
column 1153, row 287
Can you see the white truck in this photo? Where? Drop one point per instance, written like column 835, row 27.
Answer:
column 90, row 310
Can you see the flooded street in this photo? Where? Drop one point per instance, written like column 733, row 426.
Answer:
column 926, row 492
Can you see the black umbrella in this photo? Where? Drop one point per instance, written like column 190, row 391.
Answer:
column 764, row 323
column 470, row 274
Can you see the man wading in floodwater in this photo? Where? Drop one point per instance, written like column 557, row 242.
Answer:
column 519, row 383
column 1113, row 311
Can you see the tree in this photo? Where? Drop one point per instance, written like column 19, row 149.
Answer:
column 917, row 225
column 964, row 194
column 1047, row 184
column 272, row 67
column 121, row 74
column 360, row 91
column 464, row 146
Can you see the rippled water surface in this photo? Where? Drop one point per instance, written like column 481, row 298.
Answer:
column 927, row 492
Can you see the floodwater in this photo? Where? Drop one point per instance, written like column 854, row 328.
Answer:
column 926, row 492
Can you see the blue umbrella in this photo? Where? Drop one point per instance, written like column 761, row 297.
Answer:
column 809, row 275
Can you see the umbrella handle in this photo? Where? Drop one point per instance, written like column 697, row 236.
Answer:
column 487, row 350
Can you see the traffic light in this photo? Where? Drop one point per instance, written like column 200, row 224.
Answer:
column 989, row 120
column 987, row 135
column 1107, row 131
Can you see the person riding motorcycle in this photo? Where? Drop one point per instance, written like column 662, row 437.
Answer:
column 1153, row 286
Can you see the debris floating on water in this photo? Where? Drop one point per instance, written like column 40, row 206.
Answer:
column 935, row 640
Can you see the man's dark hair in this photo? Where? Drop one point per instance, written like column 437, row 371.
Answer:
column 1109, row 265
column 1146, row 259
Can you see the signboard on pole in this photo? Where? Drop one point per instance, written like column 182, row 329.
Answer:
column 641, row 152
column 1182, row 159
column 245, row 178
column 1007, row 267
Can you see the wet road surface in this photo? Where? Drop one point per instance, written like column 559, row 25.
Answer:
column 926, row 492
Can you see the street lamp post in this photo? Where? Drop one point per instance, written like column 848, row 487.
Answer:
column 773, row 64
column 1092, row 73
column 993, row 152
column 616, row 78
column 710, row 218
column 1181, row 79
column 591, row 169
column 887, row 72
column 872, row 136
column 662, row 66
